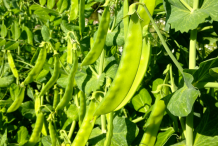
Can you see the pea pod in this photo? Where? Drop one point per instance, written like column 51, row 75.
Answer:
column 37, row 68
column 81, row 16
column 12, row 64
column 29, row 35
column 125, row 76
column 56, row 97
column 86, row 127
column 150, row 5
column 145, row 57
column 52, row 133
column 69, row 51
column 126, row 19
column 18, row 100
column 34, row 138
column 154, row 121
column 69, row 89
column 54, row 77
column 73, row 10
column 82, row 109
column 99, row 42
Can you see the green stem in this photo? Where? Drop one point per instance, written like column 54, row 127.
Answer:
column 138, row 119
column 24, row 63
column 186, row 5
column 72, row 129
column 115, row 16
column 162, row 40
column 206, row 85
column 93, row 71
column 192, row 64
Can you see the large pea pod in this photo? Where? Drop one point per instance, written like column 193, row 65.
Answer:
column 50, row 4
column 69, row 89
column 34, row 138
column 12, row 64
column 99, row 42
column 18, row 100
column 127, row 69
column 82, row 105
column 81, row 16
column 37, row 68
column 86, row 127
column 54, row 77
column 144, row 63
column 155, row 119
column 52, row 133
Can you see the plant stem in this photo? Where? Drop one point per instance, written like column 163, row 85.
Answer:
column 206, row 85
column 186, row 5
column 93, row 71
column 162, row 40
column 115, row 16
column 101, row 67
column 192, row 64
column 72, row 129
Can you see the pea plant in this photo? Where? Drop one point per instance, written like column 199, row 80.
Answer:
column 108, row 73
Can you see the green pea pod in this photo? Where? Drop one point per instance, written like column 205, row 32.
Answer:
column 42, row 2
column 150, row 5
column 15, row 29
column 35, row 56
column 81, row 16
column 99, row 42
column 82, row 109
column 62, row 5
column 18, row 100
column 154, row 121
column 29, row 35
column 109, row 134
column 56, row 97
column 52, row 133
column 74, row 9
column 125, row 76
column 144, row 63
column 126, row 19
column 53, row 78
column 34, row 138
column 12, row 64
column 37, row 68
column 50, row 4
column 69, row 89
column 86, row 127
column 69, row 51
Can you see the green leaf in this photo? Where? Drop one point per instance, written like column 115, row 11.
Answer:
column 142, row 101
column 214, row 72
column 50, row 4
column 42, row 2
column 207, row 134
column 62, row 81
column 182, row 19
column 155, row 84
column 14, row 90
column 5, row 103
column 45, row 33
column 2, row 42
column 182, row 143
column 73, row 112
column 22, row 135
column 62, row 5
column 27, row 110
column 11, row 45
column 88, row 81
column 182, row 101
column 3, row 30
column 6, row 81
column 46, row 141
column 4, row 138
column 124, row 132
column 163, row 137
column 203, row 73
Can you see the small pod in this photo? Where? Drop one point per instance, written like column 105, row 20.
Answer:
column 18, row 100
column 34, row 138
column 69, row 89
column 37, row 68
column 52, row 133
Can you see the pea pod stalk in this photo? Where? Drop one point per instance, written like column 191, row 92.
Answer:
column 125, row 76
